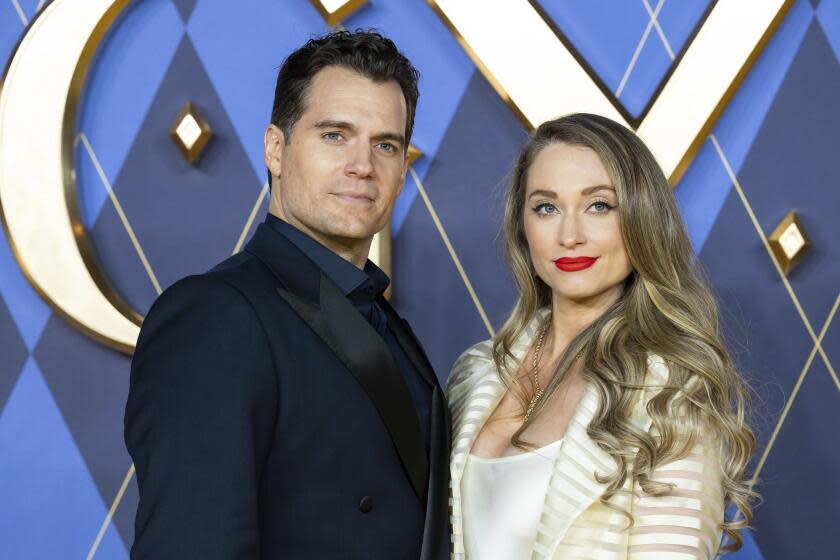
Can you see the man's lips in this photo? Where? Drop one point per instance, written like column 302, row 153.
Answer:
column 573, row 264
column 354, row 197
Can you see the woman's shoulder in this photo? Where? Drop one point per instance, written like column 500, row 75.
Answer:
column 473, row 362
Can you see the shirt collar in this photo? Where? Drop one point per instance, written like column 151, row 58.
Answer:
column 365, row 284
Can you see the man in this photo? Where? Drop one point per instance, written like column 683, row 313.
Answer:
column 279, row 407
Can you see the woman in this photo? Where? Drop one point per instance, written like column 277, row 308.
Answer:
column 605, row 419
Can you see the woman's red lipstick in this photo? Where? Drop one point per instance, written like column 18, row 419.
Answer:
column 573, row 264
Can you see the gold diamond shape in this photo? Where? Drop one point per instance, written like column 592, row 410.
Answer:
column 190, row 132
column 789, row 242
column 413, row 154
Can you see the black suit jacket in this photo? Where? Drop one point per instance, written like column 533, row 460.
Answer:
column 267, row 419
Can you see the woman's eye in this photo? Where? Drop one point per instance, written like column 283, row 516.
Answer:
column 601, row 207
column 545, row 208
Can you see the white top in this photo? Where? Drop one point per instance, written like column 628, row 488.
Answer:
column 502, row 501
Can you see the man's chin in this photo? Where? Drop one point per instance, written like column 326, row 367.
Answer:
column 351, row 233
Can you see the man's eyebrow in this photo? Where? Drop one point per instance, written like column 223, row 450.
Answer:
column 596, row 188
column 393, row 136
column 344, row 125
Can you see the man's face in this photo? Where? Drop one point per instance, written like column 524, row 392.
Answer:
column 339, row 174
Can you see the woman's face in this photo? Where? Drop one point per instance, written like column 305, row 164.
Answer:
column 572, row 226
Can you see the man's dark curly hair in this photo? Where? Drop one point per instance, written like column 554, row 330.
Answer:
column 366, row 52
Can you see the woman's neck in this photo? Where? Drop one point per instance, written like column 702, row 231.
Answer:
column 569, row 317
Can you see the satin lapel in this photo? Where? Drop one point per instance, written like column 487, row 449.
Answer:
column 409, row 343
column 367, row 357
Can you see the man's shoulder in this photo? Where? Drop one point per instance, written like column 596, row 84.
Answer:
column 234, row 282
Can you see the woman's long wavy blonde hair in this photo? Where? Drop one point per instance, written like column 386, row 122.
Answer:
column 666, row 309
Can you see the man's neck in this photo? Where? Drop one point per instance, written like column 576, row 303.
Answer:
column 354, row 251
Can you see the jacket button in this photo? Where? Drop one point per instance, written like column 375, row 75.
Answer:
column 366, row 504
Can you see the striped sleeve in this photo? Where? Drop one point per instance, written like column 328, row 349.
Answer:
column 684, row 524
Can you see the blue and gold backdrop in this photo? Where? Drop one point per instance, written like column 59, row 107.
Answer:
column 66, row 483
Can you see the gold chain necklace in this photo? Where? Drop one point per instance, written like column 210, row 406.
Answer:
column 538, row 390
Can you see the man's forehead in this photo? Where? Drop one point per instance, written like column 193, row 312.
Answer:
column 348, row 96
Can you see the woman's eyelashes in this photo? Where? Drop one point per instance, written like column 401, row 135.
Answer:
column 545, row 208
column 601, row 207
column 596, row 207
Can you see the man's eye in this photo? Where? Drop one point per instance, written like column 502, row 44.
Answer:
column 387, row 147
column 332, row 136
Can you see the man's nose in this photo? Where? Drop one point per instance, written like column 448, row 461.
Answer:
column 360, row 161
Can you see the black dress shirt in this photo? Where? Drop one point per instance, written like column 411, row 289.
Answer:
column 365, row 289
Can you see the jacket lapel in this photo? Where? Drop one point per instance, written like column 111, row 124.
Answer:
column 408, row 341
column 322, row 306
column 573, row 486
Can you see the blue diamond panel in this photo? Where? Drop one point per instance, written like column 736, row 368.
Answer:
column 621, row 44
column 51, row 506
column 13, row 352
column 828, row 14
column 11, row 29
column 89, row 384
column 799, row 479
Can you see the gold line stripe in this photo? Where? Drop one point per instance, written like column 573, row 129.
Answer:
column 263, row 193
column 783, row 416
column 117, row 499
column 638, row 51
column 23, row 19
column 824, row 330
column 451, row 250
column 123, row 218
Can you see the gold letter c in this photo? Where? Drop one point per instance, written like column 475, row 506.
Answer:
column 38, row 206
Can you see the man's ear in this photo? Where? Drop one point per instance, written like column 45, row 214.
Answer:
column 275, row 142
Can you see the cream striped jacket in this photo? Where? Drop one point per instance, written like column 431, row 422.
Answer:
column 574, row 524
